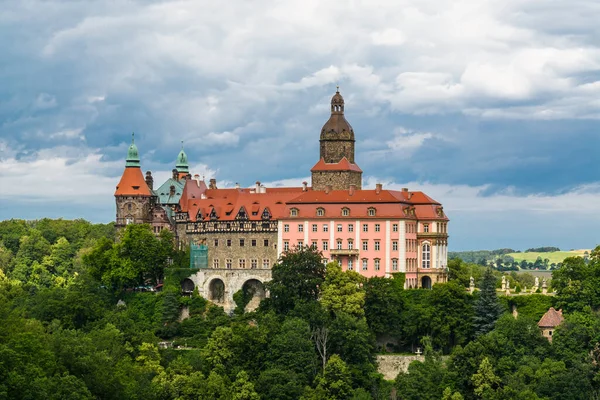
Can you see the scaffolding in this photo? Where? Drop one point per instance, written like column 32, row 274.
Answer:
column 198, row 256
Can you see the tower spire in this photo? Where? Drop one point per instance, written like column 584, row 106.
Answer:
column 133, row 157
column 182, row 162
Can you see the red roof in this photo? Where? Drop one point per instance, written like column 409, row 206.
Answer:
column 132, row 183
column 193, row 189
column 343, row 165
column 551, row 319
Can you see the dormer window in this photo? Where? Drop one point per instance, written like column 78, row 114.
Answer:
column 294, row 212
column 320, row 212
column 345, row 212
column 266, row 214
column 371, row 212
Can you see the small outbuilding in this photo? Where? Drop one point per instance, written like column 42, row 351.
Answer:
column 549, row 321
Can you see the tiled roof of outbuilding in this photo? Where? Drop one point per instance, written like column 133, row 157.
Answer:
column 551, row 318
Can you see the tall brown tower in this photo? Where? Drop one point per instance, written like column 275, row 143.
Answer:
column 336, row 167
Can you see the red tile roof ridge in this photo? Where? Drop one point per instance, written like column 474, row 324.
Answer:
column 342, row 165
column 132, row 183
column 551, row 318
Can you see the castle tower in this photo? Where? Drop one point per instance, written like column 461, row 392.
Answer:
column 336, row 167
column 133, row 196
column 182, row 164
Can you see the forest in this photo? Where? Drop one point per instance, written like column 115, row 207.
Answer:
column 81, row 319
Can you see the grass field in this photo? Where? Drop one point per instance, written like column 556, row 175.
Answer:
column 554, row 256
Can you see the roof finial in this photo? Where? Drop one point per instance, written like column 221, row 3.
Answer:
column 337, row 88
column 132, row 136
column 182, row 145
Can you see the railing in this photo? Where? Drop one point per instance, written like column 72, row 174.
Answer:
column 344, row 252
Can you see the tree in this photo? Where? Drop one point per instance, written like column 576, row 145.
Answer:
column 342, row 291
column 297, row 277
column 485, row 380
column 242, row 388
column 384, row 305
column 487, row 307
column 321, row 338
column 335, row 384
column 423, row 380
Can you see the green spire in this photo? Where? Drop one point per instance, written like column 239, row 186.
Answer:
column 133, row 157
column 182, row 161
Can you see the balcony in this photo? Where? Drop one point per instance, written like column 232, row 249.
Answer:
column 344, row 252
column 432, row 235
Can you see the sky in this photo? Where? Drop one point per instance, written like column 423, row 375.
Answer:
column 490, row 107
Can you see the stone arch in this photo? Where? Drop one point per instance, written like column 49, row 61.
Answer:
column 426, row 282
column 216, row 290
column 187, row 285
column 256, row 289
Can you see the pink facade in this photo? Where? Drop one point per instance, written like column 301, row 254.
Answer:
column 369, row 239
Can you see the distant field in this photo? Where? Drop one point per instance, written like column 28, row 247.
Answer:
column 554, row 257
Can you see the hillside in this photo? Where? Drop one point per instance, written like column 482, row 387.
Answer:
column 554, row 256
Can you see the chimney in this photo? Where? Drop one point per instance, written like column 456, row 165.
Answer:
column 212, row 183
column 378, row 187
column 304, row 188
column 405, row 189
column 409, row 195
column 263, row 189
column 352, row 189
column 175, row 174
column 237, row 185
column 257, row 187
column 172, row 190
column 149, row 180
column 203, row 196
column 328, row 189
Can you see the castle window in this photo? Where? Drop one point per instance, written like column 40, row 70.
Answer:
column 266, row 263
column 350, row 244
column 314, row 227
column 242, row 242
column 350, row 264
column 253, row 242
column 128, row 221
column 371, row 212
column 339, row 244
column 377, row 245
column 242, row 263
column 426, row 256
column 216, row 263
column 395, row 245
column 377, row 228
column 216, row 242
column 294, row 212
column 365, row 245
column 425, row 228
column 325, row 227
column 365, row 228
column 266, row 242
column 320, row 212
column 345, row 212
column 286, row 228
column 300, row 243
column 394, row 264
column 377, row 264
column 300, row 227
column 325, row 245
column 228, row 263
column 340, row 228
column 313, row 244
column 350, row 228
column 129, row 207
column 394, row 227
column 286, row 245
column 253, row 263
column 365, row 264
column 228, row 242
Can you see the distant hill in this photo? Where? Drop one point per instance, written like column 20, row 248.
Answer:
column 509, row 259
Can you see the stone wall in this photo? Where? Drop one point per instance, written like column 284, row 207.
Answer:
column 233, row 280
column 339, row 180
column 136, row 207
column 391, row 365
column 236, row 252
column 335, row 146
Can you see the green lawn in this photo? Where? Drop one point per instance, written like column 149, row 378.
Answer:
column 554, row 257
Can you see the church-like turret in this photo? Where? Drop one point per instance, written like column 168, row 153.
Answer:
column 132, row 194
column 182, row 163
column 336, row 168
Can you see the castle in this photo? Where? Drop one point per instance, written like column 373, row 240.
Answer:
column 237, row 234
